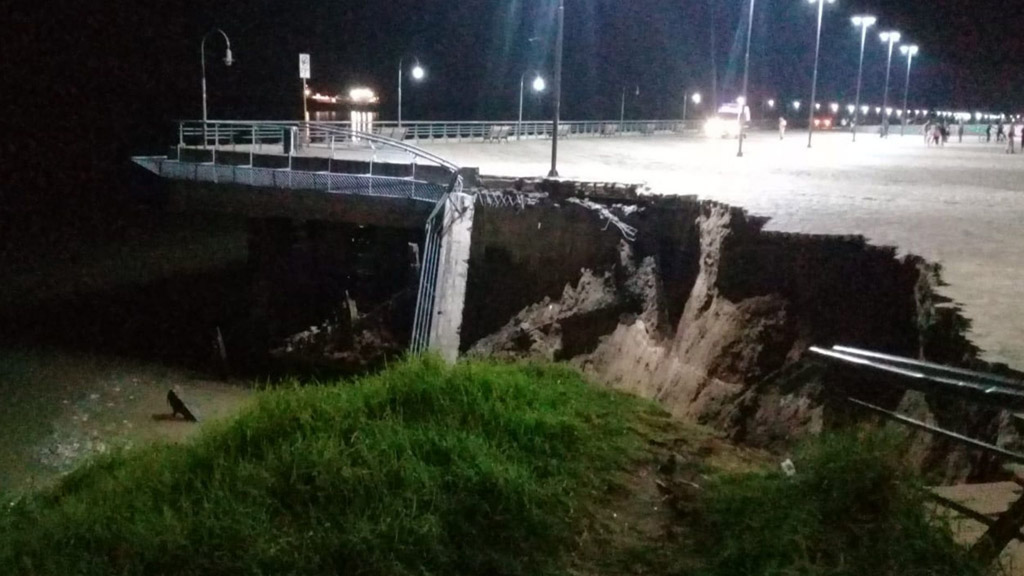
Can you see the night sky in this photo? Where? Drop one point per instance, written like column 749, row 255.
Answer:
column 107, row 79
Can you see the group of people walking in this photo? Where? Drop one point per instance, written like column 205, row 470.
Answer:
column 938, row 133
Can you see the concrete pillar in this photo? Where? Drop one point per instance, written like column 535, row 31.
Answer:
column 453, row 270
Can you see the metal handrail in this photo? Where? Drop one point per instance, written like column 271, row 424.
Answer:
column 475, row 129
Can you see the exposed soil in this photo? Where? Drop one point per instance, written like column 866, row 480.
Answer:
column 734, row 358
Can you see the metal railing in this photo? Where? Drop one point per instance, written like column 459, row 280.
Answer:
column 968, row 385
column 227, row 133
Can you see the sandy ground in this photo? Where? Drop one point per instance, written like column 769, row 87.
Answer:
column 961, row 205
column 991, row 500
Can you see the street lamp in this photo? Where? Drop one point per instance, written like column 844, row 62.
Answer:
column 908, row 51
column 891, row 37
column 746, row 72
column 814, row 78
column 538, row 86
column 696, row 102
column 796, row 105
column 622, row 113
column 418, row 74
column 863, row 22
column 553, row 173
column 228, row 61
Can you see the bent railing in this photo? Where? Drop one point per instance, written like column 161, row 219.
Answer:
column 968, row 385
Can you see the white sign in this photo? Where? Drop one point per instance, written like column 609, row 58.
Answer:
column 304, row 66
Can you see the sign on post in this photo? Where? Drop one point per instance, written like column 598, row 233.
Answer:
column 304, row 66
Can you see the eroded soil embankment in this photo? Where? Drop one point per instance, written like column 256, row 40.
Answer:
column 712, row 316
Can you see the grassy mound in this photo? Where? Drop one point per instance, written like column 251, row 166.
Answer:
column 851, row 510
column 480, row 469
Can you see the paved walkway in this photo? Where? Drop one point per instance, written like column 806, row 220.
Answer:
column 961, row 205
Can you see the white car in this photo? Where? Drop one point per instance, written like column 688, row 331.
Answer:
column 726, row 123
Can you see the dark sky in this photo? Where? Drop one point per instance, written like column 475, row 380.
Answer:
column 107, row 78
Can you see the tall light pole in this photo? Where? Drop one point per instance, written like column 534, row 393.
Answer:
column 863, row 22
column 891, row 37
column 746, row 75
column 228, row 61
column 696, row 102
column 553, row 173
column 622, row 112
column 814, row 77
column 908, row 51
column 418, row 73
column 538, row 86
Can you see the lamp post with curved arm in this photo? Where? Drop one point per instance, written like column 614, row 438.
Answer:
column 538, row 86
column 228, row 61
column 418, row 73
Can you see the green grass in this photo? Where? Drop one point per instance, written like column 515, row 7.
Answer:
column 478, row 469
column 853, row 509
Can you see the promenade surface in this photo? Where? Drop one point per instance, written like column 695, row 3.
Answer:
column 961, row 205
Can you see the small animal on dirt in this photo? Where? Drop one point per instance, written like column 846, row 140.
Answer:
column 178, row 407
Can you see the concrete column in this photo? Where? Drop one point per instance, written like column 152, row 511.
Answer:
column 453, row 270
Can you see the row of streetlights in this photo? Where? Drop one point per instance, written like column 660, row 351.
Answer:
column 862, row 22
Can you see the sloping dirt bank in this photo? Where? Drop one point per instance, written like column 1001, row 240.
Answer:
column 711, row 316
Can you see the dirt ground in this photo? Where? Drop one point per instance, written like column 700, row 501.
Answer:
column 961, row 205
column 60, row 408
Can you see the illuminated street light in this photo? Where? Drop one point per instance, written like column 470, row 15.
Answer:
column 228, row 61
column 865, row 109
column 891, row 37
column 814, row 77
column 796, row 105
column 878, row 110
column 850, row 109
column 909, row 51
column 771, row 104
column 746, row 74
column 862, row 22
column 418, row 74
column 696, row 98
column 538, row 86
column 834, row 107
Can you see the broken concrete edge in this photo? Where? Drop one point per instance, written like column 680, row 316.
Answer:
column 734, row 358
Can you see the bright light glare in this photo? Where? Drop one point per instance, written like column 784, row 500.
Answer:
column 362, row 95
column 851, row 108
column 539, row 85
column 891, row 37
column 912, row 50
column 865, row 21
column 878, row 109
column 835, row 107
column 771, row 103
column 418, row 73
column 696, row 98
column 796, row 104
column 817, row 105
column 864, row 109
column 741, row 101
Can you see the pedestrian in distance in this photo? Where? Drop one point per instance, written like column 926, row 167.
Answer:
column 1011, row 139
column 960, row 131
column 1022, row 138
column 782, row 128
column 988, row 133
column 1000, row 132
column 927, row 131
